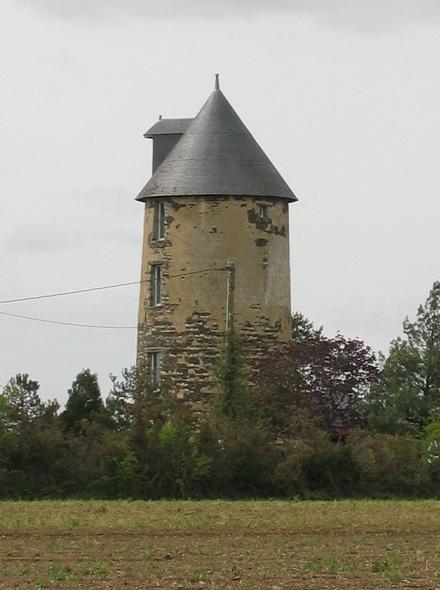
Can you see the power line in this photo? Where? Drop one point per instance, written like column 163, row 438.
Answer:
column 97, row 326
column 81, row 325
column 103, row 287
column 63, row 293
column 46, row 321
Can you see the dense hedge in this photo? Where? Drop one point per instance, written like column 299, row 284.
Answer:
column 222, row 457
column 321, row 418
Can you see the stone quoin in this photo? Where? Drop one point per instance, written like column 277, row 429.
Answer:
column 215, row 205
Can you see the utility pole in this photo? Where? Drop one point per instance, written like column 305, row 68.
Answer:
column 230, row 298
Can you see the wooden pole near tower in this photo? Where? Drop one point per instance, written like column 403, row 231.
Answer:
column 230, row 298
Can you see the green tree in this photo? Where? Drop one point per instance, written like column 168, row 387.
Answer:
column 303, row 329
column 30, row 440
column 21, row 401
column 84, row 403
column 181, row 465
column 122, row 397
column 408, row 392
column 432, row 447
column 7, row 432
column 232, row 400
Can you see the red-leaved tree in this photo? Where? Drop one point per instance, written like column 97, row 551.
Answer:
column 325, row 377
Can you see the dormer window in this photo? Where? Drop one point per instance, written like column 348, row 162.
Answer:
column 159, row 221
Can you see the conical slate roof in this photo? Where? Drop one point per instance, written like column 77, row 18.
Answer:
column 216, row 155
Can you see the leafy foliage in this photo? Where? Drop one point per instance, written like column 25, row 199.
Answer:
column 21, row 401
column 328, row 377
column 232, row 400
column 122, row 397
column 408, row 392
column 84, row 403
column 319, row 419
column 431, row 442
column 303, row 329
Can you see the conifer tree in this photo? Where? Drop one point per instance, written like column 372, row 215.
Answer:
column 22, row 401
column 84, row 402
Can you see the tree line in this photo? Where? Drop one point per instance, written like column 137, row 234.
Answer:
column 319, row 418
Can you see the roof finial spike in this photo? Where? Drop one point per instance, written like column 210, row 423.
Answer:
column 217, row 83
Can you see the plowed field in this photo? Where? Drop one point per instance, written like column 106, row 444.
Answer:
column 222, row 545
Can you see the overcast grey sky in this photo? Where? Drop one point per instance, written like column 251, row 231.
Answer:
column 343, row 95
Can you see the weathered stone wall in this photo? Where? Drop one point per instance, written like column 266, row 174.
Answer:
column 188, row 327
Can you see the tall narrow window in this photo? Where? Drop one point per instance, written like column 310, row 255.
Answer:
column 156, row 284
column 262, row 211
column 159, row 221
column 154, row 368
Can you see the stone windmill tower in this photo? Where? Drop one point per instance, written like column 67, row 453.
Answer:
column 215, row 250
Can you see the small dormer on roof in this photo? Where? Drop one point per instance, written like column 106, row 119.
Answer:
column 168, row 127
column 212, row 154
column 165, row 133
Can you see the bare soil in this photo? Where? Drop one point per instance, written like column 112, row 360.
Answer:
column 222, row 545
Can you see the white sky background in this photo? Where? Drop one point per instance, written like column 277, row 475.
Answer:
column 343, row 96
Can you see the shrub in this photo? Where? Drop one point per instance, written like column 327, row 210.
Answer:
column 391, row 464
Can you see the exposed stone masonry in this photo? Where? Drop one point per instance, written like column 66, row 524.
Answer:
column 188, row 327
